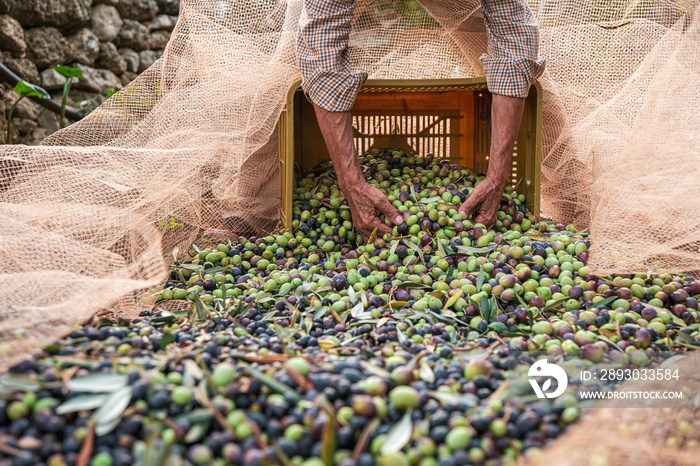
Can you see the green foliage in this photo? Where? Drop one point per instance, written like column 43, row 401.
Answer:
column 172, row 224
column 68, row 73
column 24, row 89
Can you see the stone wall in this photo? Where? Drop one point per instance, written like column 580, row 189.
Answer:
column 111, row 41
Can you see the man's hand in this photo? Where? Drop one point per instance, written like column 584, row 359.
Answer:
column 506, row 113
column 483, row 202
column 366, row 203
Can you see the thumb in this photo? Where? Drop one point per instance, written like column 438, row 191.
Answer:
column 468, row 207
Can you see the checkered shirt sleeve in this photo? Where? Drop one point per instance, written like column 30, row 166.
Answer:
column 511, row 63
column 322, row 51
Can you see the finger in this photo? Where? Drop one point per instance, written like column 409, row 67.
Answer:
column 389, row 211
column 382, row 229
column 486, row 218
column 363, row 234
column 468, row 207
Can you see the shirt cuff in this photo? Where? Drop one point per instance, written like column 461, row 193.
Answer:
column 511, row 76
column 334, row 91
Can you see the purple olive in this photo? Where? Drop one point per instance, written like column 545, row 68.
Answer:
column 209, row 285
column 694, row 288
column 554, row 271
column 679, row 296
column 592, row 353
column 624, row 293
column 401, row 294
column 678, row 309
column 642, row 337
column 402, row 229
column 536, row 301
column 648, row 313
column 575, row 292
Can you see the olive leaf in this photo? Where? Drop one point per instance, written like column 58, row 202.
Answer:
column 108, row 416
column 441, row 249
column 363, row 297
column 556, row 304
column 273, row 384
column 357, row 309
column 197, row 432
column 525, row 305
column 498, row 326
column 191, row 374
column 319, row 311
column 422, row 315
column 175, row 253
column 352, row 340
column 414, row 194
column 19, row 381
column 104, row 429
column 480, row 279
column 397, row 304
column 352, row 295
column 394, row 245
column 197, row 415
column 373, row 235
column 606, row 301
column 199, row 310
column 609, row 341
column 81, row 403
column 472, row 250
column 376, row 370
column 98, row 383
column 485, row 308
column 191, row 266
column 398, row 436
column 166, row 339
column 402, row 338
column 426, row 373
column 329, row 439
column 453, row 299
column 453, row 399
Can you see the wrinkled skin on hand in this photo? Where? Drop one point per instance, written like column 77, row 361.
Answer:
column 506, row 113
column 366, row 204
column 483, row 202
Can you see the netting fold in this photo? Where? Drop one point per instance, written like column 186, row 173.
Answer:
column 93, row 214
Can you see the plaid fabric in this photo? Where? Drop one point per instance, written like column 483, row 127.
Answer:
column 510, row 64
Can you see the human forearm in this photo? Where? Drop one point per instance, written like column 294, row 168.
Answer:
column 366, row 202
column 337, row 131
column 506, row 114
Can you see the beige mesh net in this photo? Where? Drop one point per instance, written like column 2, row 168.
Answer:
column 93, row 214
column 610, row 435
